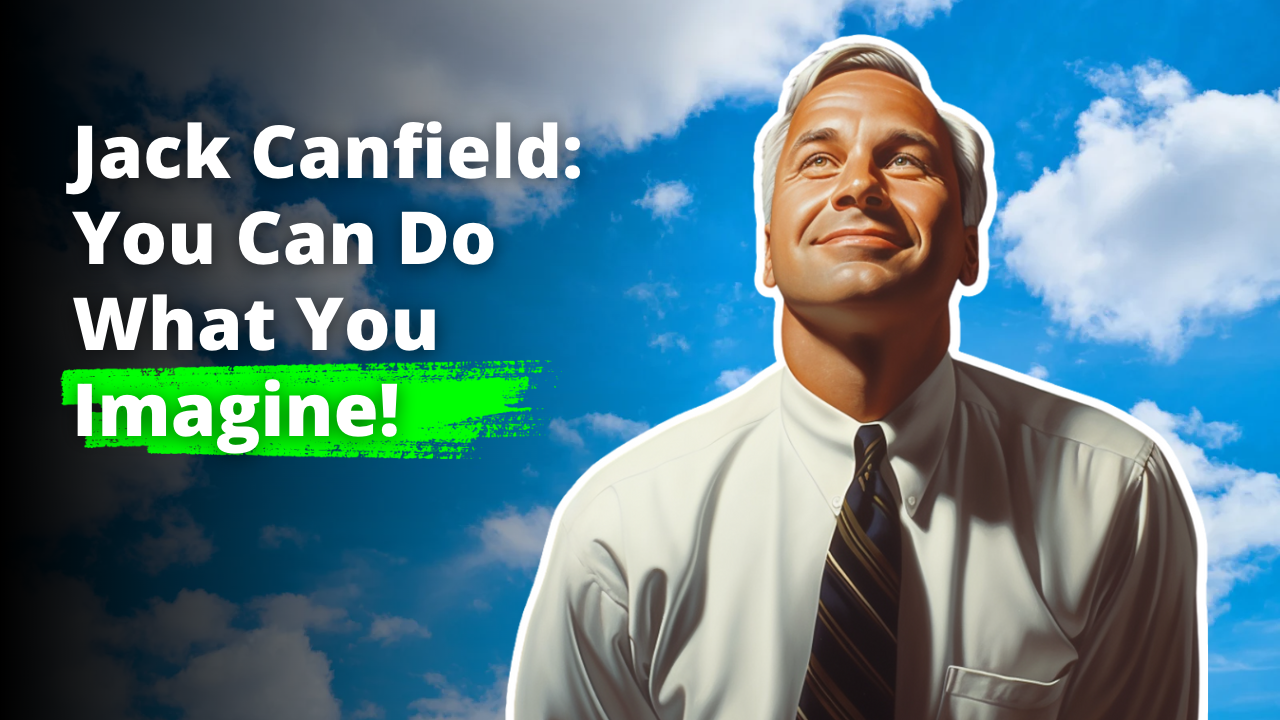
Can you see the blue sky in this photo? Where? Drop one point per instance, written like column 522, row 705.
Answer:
column 391, row 589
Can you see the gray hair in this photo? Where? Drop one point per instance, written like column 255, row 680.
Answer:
column 858, row 54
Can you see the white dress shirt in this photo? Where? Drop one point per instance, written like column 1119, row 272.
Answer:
column 1048, row 570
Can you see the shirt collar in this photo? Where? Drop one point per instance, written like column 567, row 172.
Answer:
column 915, row 434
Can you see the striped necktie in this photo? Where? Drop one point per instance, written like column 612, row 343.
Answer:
column 853, row 662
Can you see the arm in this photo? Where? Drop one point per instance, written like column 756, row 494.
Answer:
column 1140, row 654
column 576, row 656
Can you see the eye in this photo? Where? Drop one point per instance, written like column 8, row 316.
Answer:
column 818, row 162
column 908, row 164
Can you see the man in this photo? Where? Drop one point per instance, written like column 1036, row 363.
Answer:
column 876, row 527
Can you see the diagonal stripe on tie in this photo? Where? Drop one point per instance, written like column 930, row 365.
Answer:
column 866, row 554
column 851, row 649
column 853, row 662
column 883, row 617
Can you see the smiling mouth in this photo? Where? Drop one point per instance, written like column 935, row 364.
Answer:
column 870, row 238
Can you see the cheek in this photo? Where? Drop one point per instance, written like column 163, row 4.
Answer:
column 794, row 208
column 925, row 207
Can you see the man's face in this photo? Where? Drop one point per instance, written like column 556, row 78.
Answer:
column 866, row 205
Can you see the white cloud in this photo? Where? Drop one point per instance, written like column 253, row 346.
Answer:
column 612, row 426
column 88, row 487
column 667, row 200
column 888, row 14
column 1213, row 434
column 564, row 433
column 614, row 74
column 724, row 314
column 181, row 540
column 726, row 344
column 725, row 311
column 1240, row 507
column 290, row 611
column 452, row 704
column 512, row 538
column 195, row 618
column 657, row 295
column 390, row 629
column 605, row 425
column 369, row 710
column 222, row 671
column 1038, row 371
column 1222, row 664
column 273, row 535
column 1164, row 220
column 264, row 674
column 670, row 340
column 730, row 379
column 626, row 72
column 1204, row 473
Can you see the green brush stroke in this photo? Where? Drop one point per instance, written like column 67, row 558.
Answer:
column 440, row 407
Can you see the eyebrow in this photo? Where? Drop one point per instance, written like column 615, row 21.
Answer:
column 811, row 136
column 904, row 136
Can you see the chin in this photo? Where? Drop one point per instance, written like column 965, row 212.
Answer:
column 861, row 285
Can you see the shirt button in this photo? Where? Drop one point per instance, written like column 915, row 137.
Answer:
column 835, row 501
column 911, row 501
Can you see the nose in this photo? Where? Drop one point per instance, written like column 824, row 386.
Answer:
column 859, row 185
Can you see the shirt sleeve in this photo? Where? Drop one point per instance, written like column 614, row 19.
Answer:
column 576, row 660
column 1140, row 653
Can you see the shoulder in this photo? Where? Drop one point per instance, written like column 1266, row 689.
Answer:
column 1087, row 470
column 683, row 440
column 638, row 489
column 1021, row 405
column 1087, row 480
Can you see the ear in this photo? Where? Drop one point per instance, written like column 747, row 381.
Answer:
column 768, row 259
column 972, row 258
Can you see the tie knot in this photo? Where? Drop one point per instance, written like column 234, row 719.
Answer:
column 869, row 445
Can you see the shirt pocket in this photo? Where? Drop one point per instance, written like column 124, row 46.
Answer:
column 969, row 694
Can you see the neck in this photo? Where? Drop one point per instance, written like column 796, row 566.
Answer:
column 865, row 375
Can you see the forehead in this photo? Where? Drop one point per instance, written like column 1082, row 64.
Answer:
column 870, row 98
